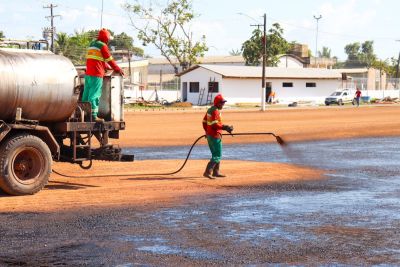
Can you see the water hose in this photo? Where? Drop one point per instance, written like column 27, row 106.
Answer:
column 278, row 139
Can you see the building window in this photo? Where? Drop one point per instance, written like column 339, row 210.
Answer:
column 287, row 84
column 194, row 87
column 311, row 84
column 213, row 87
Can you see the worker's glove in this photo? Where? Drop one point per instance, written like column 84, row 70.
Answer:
column 120, row 71
column 228, row 128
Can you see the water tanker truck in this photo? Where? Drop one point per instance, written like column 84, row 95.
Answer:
column 43, row 120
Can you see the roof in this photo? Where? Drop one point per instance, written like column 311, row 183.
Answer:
column 299, row 59
column 250, row 72
column 133, row 63
column 357, row 70
column 202, row 60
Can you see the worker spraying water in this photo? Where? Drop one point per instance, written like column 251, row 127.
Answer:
column 212, row 125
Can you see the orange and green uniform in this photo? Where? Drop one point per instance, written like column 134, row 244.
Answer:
column 98, row 60
column 212, row 124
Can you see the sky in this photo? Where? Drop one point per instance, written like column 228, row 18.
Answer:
column 226, row 23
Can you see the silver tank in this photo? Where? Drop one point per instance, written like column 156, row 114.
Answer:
column 39, row 82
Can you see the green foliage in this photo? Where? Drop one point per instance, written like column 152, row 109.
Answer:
column 123, row 41
column 360, row 55
column 168, row 30
column 75, row 46
column 383, row 65
column 326, row 52
column 235, row 52
column 276, row 45
column 2, row 35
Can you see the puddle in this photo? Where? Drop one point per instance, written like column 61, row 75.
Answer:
column 356, row 206
column 160, row 246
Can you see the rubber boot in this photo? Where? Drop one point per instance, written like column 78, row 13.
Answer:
column 209, row 169
column 216, row 172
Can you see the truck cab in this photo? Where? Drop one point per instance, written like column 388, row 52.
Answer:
column 340, row 97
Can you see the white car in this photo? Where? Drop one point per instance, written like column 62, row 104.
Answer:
column 339, row 98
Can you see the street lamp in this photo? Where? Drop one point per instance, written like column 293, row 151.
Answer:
column 316, row 40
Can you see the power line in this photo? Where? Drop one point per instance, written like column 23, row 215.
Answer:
column 52, row 28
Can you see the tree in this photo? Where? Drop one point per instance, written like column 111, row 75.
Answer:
column 2, row 35
column 326, row 52
column 169, row 31
column 360, row 55
column 367, row 53
column 235, row 52
column 75, row 46
column 61, row 43
column 123, row 41
column 276, row 45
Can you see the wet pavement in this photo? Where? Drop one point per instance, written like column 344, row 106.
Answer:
column 350, row 218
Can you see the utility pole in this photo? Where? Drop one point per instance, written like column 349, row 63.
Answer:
column 264, row 43
column 316, row 40
column 52, row 29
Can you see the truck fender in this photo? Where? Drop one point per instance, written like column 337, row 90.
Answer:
column 40, row 131
column 4, row 130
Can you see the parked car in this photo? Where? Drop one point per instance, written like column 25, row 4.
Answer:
column 339, row 97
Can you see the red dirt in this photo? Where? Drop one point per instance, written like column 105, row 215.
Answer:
column 164, row 128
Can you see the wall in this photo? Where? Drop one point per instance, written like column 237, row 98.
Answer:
column 379, row 94
column 131, row 96
column 202, row 76
column 238, row 90
column 249, row 90
column 289, row 62
column 165, row 68
column 299, row 91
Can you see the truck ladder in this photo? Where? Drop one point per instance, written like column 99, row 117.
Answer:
column 78, row 146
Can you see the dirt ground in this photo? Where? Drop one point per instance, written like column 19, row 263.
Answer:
column 182, row 127
column 182, row 219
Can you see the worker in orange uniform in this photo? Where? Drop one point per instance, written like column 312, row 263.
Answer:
column 271, row 97
column 212, row 124
column 98, row 60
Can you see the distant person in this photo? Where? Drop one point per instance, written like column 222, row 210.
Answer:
column 357, row 96
column 271, row 97
column 212, row 124
column 98, row 60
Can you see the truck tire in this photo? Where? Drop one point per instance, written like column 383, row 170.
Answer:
column 25, row 165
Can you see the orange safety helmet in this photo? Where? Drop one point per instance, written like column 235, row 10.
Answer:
column 104, row 36
column 219, row 99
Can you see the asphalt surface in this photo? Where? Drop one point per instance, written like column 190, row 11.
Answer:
column 350, row 218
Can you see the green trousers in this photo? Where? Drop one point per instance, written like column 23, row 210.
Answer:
column 92, row 92
column 215, row 145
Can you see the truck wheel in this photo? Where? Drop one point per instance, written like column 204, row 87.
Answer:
column 25, row 165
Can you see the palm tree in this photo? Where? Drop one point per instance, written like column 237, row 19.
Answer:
column 62, row 43
column 326, row 52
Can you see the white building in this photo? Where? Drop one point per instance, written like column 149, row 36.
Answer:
column 242, row 84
